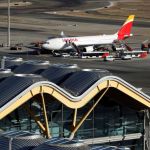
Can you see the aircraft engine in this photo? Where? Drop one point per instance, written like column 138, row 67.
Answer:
column 88, row 49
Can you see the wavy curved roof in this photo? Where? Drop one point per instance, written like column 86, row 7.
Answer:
column 18, row 89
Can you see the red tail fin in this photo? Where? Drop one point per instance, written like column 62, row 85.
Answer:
column 125, row 30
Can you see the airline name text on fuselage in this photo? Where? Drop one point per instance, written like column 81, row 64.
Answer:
column 69, row 39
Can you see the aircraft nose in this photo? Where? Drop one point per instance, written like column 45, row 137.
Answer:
column 44, row 46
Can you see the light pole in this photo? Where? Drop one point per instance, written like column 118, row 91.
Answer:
column 8, row 21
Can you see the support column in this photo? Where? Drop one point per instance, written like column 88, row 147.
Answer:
column 45, row 116
column 87, row 114
column 75, row 118
column 37, row 120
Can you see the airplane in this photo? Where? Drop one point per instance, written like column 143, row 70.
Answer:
column 88, row 43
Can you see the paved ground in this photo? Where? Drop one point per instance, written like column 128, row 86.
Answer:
column 135, row 71
column 28, row 27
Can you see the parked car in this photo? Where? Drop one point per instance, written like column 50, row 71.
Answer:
column 65, row 55
column 109, row 58
column 17, row 46
column 126, row 57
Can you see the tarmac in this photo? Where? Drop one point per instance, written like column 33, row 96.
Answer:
column 31, row 27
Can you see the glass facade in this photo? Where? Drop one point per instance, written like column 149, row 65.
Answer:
column 110, row 119
column 107, row 119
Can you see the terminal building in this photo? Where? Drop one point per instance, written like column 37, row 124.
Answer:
column 64, row 101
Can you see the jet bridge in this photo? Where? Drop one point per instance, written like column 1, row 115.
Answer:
column 69, row 85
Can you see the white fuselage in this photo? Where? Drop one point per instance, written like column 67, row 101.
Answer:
column 63, row 43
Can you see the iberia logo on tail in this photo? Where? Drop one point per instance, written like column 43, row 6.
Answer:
column 125, row 30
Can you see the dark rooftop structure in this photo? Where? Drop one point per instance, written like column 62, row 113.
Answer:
column 64, row 101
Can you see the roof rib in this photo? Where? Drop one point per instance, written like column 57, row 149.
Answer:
column 37, row 86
